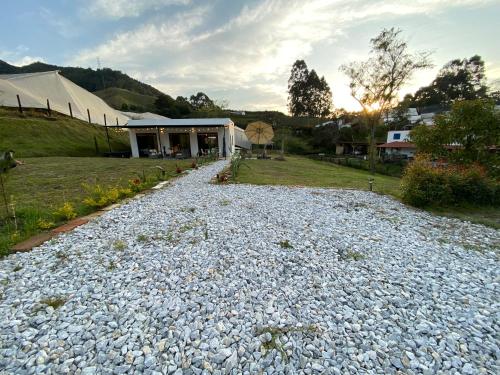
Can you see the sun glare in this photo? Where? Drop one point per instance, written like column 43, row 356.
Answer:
column 374, row 107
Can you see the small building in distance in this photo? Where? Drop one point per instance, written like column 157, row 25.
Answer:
column 398, row 145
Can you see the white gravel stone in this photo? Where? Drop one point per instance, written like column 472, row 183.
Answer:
column 202, row 270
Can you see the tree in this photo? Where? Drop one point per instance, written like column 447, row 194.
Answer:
column 326, row 137
column 464, row 135
column 308, row 94
column 166, row 106
column 457, row 80
column 183, row 106
column 398, row 116
column 376, row 82
column 201, row 101
column 297, row 89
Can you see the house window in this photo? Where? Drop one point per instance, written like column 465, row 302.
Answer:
column 396, row 136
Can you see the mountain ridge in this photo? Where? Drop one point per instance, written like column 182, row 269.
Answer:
column 88, row 78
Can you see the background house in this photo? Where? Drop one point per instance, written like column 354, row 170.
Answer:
column 398, row 145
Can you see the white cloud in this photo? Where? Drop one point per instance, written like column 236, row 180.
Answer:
column 116, row 9
column 246, row 59
column 19, row 56
column 26, row 60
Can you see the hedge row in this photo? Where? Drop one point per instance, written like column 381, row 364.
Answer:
column 425, row 185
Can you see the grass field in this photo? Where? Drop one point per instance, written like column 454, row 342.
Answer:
column 42, row 185
column 301, row 171
column 33, row 134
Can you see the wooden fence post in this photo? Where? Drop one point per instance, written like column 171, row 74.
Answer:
column 107, row 133
column 88, row 113
column 19, row 104
column 48, row 107
column 70, row 110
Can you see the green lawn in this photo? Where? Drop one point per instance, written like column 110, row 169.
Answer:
column 301, row 171
column 42, row 185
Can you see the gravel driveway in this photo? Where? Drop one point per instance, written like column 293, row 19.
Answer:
column 200, row 278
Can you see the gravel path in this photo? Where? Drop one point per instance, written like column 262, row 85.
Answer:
column 199, row 278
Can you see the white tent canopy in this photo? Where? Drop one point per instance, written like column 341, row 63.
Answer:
column 35, row 88
column 143, row 115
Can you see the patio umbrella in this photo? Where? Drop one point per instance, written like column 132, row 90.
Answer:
column 259, row 132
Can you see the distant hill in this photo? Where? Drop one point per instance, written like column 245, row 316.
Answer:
column 126, row 100
column 90, row 79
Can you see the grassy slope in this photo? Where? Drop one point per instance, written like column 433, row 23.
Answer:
column 33, row 134
column 115, row 97
column 307, row 172
column 42, row 185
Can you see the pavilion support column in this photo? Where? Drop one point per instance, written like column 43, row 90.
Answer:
column 165, row 141
column 193, row 142
column 133, row 143
column 220, row 136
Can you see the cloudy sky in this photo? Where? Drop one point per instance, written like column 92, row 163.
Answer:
column 242, row 50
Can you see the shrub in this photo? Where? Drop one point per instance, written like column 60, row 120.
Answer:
column 100, row 196
column 45, row 224
column 236, row 162
column 65, row 212
column 471, row 185
column 426, row 185
column 296, row 145
column 134, row 184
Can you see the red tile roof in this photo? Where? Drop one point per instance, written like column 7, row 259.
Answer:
column 398, row 144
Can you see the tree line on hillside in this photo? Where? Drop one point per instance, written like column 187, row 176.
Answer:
column 182, row 106
column 90, row 79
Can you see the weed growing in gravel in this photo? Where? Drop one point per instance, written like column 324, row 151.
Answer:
column 111, row 266
column 206, row 232
column 119, row 245
column 142, row 238
column 17, row 268
column 443, row 241
column 54, row 302
column 468, row 246
column 62, row 256
column 186, row 227
column 354, row 255
column 285, row 244
column 225, row 202
column 276, row 334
